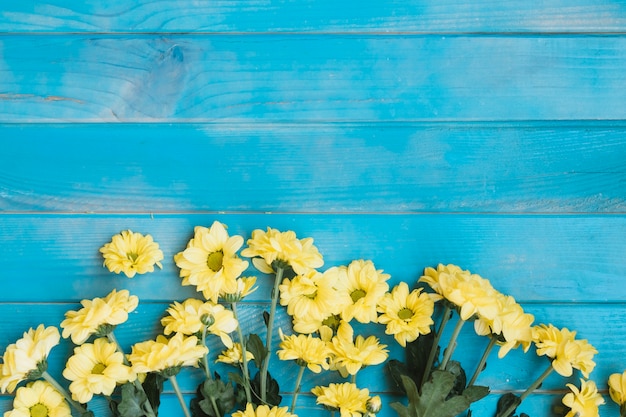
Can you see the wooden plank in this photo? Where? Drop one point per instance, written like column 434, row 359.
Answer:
column 368, row 167
column 534, row 258
column 315, row 16
column 341, row 78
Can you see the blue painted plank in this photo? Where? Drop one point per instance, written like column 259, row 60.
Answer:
column 341, row 78
column 367, row 167
column 536, row 258
column 315, row 16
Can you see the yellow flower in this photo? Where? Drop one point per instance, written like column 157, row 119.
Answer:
column 347, row 398
column 350, row 355
column 165, row 354
column 583, row 402
column 26, row 356
column 39, row 399
column 473, row 294
column 233, row 356
column 210, row 261
column 313, row 295
column 96, row 369
column 407, row 315
column 263, row 411
column 374, row 404
column 131, row 253
column 511, row 325
column 366, row 286
column 617, row 388
column 306, row 350
column 273, row 245
column 187, row 318
column 109, row 311
column 567, row 352
column 433, row 277
column 245, row 287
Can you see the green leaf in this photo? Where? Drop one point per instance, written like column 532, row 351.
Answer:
column 255, row 345
column 132, row 402
column 213, row 390
column 272, row 390
column 153, row 387
column 507, row 400
column 397, row 369
column 417, row 353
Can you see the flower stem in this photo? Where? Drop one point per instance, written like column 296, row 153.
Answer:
column 433, row 349
column 270, row 329
column 353, row 379
column 492, row 342
column 79, row 407
column 528, row 391
column 205, row 358
column 451, row 344
column 244, row 355
column 179, row 394
column 296, row 391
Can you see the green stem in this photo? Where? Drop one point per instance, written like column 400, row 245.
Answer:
column 244, row 356
column 451, row 344
column 205, row 358
column 270, row 329
column 492, row 342
column 353, row 379
column 296, row 391
column 79, row 407
column 179, row 394
column 111, row 337
column 526, row 393
column 435, row 346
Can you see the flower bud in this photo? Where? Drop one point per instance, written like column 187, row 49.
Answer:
column 374, row 404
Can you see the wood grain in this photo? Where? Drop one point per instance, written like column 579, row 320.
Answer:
column 230, row 78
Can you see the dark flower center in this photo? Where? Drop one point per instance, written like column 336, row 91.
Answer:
column 357, row 295
column 214, row 260
column 38, row 410
column 405, row 313
column 98, row 369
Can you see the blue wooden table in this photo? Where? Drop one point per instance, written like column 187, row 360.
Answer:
column 491, row 135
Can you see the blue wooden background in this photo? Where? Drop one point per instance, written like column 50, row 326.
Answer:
column 483, row 133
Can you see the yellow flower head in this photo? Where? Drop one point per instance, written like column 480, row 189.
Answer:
column 263, row 411
column 210, row 261
column 109, row 311
column 473, row 295
column 25, row 356
column 164, row 355
column 347, row 398
column 313, row 295
column 351, row 354
column 407, row 315
column 366, row 286
column 190, row 316
column 433, row 277
column 131, row 253
column 245, row 287
column 96, row 369
column 285, row 247
column 617, row 388
column 306, row 350
column 232, row 355
column 567, row 352
column 584, row 402
column 39, row 399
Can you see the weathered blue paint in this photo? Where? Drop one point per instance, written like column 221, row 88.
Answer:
column 486, row 134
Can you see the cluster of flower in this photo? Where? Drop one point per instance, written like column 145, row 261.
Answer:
column 322, row 305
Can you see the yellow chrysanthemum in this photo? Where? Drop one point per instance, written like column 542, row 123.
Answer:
column 567, row 352
column 433, row 276
column 25, row 356
column 245, row 287
column 473, row 295
column 233, row 356
column 187, row 318
column 39, row 399
column 584, row 402
column 347, row 398
column 210, row 261
column 274, row 245
column 263, row 411
column 511, row 325
column 96, row 369
column 131, row 253
column 313, row 294
column 164, row 354
column 109, row 311
column 407, row 315
column 617, row 388
column 366, row 286
column 351, row 354
column 306, row 350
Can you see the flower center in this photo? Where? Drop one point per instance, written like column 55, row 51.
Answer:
column 405, row 313
column 98, row 369
column 132, row 256
column 214, row 260
column 38, row 410
column 357, row 295
column 332, row 322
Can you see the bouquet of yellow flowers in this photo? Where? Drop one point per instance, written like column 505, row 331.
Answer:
column 324, row 306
